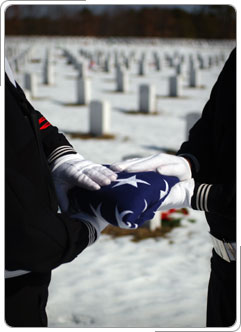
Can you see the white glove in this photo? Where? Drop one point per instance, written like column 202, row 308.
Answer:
column 179, row 196
column 163, row 163
column 73, row 170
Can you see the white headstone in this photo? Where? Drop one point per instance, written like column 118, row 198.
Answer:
column 116, row 58
column 201, row 62
column 210, row 61
column 171, row 61
column 118, row 69
column 30, row 83
column 16, row 65
column 48, row 73
column 194, row 78
column 157, row 61
column 81, row 68
column 147, row 98
column 174, row 86
column 107, row 64
column 192, row 62
column 122, row 81
column 100, row 114
column 179, row 68
column 142, row 66
column 83, row 90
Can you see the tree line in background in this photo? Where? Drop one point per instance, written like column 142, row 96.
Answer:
column 208, row 22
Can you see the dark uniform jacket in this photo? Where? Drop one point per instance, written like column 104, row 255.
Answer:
column 211, row 149
column 37, row 238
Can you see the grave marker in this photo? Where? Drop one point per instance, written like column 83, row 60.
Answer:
column 147, row 98
column 100, row 114
column 83, row 90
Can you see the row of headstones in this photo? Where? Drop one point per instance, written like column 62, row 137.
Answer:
column 109, row 60
column 123, row 81
column 30, row 80
column 73, row 59
column 100, row 112
column 147, row 99
column 147, row 92
column 175, row 84
column 19, row 60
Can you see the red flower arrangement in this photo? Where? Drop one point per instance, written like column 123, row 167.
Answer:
column 166, row 215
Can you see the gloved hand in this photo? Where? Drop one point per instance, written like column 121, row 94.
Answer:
column 163, row 163
column 179, row 196
column 73, row 170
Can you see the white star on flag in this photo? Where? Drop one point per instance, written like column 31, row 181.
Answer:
column 164, row 192
column 131, row 181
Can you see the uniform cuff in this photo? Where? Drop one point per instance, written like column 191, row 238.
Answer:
column 200, row 197
column 92, row 232
column 60, row 152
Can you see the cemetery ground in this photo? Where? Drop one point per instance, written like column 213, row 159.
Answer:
column 154, row 278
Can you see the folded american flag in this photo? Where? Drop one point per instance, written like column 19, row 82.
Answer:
column 127, row 202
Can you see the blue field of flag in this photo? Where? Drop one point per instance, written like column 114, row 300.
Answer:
column 127, row 202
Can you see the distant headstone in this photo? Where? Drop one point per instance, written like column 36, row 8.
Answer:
column 142, row 66
column 122, row 80
column 175, row 86
column 179, row 68
column 147, row 98
column 118, row 69
column 30, row 83
column 81, row 68
column 127, row 61
column 157, row 61
column 100, row 114
column 194, row 78
column 210, row 61
column 107, row 64
column 170, row 60
column 16, row 65
column 48, row 73
column 83, row 90
column 116, row 58
column 201, row 61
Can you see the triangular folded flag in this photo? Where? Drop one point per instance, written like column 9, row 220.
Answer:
column 127, row 202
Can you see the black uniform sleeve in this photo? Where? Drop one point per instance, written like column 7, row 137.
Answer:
column 203, row 143
column 202, row 137
column 215, row 198
column 38, row 239
column 55, row 144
